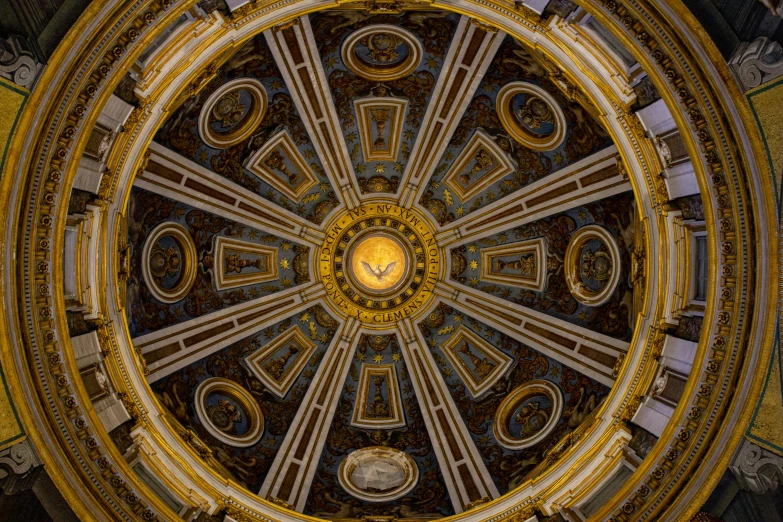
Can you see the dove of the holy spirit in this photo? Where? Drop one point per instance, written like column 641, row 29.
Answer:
column 377, row 272
column 378, row 262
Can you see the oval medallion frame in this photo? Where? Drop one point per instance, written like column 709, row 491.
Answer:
column 513, row 400
column 349, row 464
column 379, row 73
column 239, row 395
column 516, row 130
column 252, row 119
column 573, row 259
column 187, row 265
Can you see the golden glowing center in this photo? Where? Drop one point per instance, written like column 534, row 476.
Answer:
column 378, row 262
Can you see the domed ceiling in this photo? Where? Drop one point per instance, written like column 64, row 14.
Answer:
column 466, row 222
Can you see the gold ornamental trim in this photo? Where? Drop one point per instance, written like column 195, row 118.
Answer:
column 418, row 251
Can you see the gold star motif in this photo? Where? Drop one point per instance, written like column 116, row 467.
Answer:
column 305, row 317
column 474, row 265
column 284, row 264
column 472, row 249
column 378, row 358
column 360, row 356
column 396, row 357
column 379, row 168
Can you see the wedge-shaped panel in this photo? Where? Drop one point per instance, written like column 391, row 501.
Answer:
column 480, row 164
column 477, row 362
column 522, row 264
column 279, row 163
column 378, row 404
column 278, row 364
column 240, row 263
column 380, row 126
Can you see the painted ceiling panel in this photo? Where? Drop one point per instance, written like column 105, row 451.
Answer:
column 580, row 393
column 148, row 211
column 180, row 133
column 430, row 497
column 435, row 31
column 177, row 392
column 512, row 63
column 615, row 214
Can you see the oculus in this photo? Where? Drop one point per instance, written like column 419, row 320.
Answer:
column 280, row 164
column 242, row 263
column 278, row 364
column 531, row 116
column 378, row 403
column 380, row 126
column 382, row 52
column 168, row 265
column 480, row 164
column 228, row 412
column 522, row 264
column 528, row 414
column 232, row 113
column 592, row 265
column 378, row 474
column 478, row 363
column 379, row 263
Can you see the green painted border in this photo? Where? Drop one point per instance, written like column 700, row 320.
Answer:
column 750, row 95
column 775, row 355
column 15, row 88
column 25, row 93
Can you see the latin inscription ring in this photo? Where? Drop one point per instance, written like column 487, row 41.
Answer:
column 384, row 247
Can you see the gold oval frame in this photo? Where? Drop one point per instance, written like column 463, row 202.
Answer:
column 240, row 395
column 188, row 271
column 519, row 133
column 380, row 73
column 573, row 257
column 348, row 464
column 517, row 396
column 253, row 119
column 698, row 446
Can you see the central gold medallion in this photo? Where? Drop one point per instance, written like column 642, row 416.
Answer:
column 379, row 263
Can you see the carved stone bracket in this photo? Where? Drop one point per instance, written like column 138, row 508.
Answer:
column 17, row 63
column 757, row 62
column 19, row 467
column 757, row 469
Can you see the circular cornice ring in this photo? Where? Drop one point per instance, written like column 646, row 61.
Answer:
column 383, row 458
column 247, row 122
column 377, row 71
column 511, row 123
column 516, row 398
column 715, row 122
column 239, row 395
column 574, row 263
column 187, row 265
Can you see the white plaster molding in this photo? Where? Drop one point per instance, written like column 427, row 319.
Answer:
column 17, row 63
column 18, row 467
column 87, row 349
column 453, row 446
column 220, row 196
column 447, row 105
column 757, row 62
column 757, row 469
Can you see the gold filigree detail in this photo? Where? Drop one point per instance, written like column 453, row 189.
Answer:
column 477, row 503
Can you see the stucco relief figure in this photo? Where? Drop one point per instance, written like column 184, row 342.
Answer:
column 378, row 407
column 276, row 367
column 276, row 161
column 531, row 418
column 228, row 110
column 525, row 266
column 483, row 161
column 482, row 367
column 234, row 263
